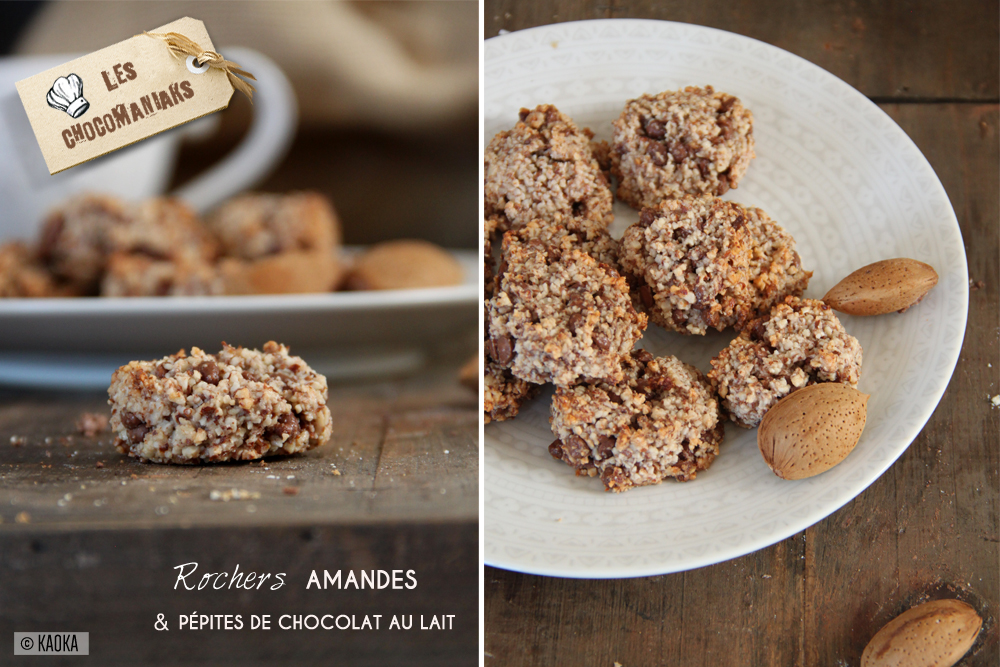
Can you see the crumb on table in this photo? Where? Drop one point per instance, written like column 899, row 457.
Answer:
column 92, row 423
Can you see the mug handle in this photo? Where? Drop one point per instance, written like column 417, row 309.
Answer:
column 275, row 114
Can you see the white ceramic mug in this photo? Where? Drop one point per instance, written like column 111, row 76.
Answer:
column 28, row 191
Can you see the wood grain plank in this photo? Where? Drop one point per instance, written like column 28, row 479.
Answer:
column 436, row 452
column 744, row 612
column 907, row 50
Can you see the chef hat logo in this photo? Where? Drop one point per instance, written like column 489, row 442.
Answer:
column 66, row 95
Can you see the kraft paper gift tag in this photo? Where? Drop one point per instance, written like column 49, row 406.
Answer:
column 127, row 92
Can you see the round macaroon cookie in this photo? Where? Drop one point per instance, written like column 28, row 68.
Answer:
column 687, row 263
column 558, row 315
column 239, row 404
column 79, row 237
column 278, row 243
column 22, row 274
column 257, row 225
column 690, row 141
column 73, row 242
column 699, row 262
column 799, row 343
column 543, row 168
column 163, row 228
column 138, row 274
column 662, row 422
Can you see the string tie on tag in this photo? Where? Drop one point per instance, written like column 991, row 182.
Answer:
column 182, row 46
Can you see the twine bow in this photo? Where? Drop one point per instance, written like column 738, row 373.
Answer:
column 182, row 46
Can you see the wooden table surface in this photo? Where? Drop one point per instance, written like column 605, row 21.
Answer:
column 928, row 528
column 89, row 538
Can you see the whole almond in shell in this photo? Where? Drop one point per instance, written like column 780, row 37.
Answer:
column 882, row 287
column 812, row 429
column 934, row 634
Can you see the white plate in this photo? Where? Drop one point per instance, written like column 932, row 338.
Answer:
column 852, row 188
column 79, row 342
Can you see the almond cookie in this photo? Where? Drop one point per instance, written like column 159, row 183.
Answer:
column 78, row 238
column 261, row 225
column 543, row 168
column 699, row 262
column 559, row 315
column 238, row 404
column 504, row 394
column 799, row 343
column 74, row 238
column 687, row 261
column 142, row 275
column 22, row 275
column 162, row 228
column 662, row 421
column 692, row 141
column 404, row 264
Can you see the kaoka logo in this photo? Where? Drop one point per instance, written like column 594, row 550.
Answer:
column 66, row 94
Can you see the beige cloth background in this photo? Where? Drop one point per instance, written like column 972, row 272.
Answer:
column 397, row 65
